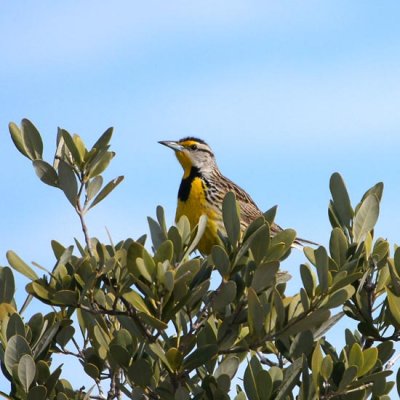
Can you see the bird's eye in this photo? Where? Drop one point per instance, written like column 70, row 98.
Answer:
column 193, row 147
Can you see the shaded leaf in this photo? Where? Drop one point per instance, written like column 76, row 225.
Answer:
column 67, row 182
column 338, row 246
column 37, row 393
column 394, row 305
column 225, row 295
column 7, row 285
column 264, row 276
column 221, row 260
column 255, row 313
column 32, row 140
column 46, row 173
column 290, row 379
column 200, row 356
column 231, row 218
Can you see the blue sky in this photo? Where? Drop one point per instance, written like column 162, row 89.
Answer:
column 286, row 93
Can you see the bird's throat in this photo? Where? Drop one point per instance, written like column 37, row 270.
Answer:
column 186, row 183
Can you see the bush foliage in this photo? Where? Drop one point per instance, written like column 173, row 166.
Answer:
column 159, row 322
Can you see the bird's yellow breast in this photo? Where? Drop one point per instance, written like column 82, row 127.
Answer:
column 193, row 207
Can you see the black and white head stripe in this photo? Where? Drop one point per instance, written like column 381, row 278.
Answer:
column 192, row 139
column 195, row 144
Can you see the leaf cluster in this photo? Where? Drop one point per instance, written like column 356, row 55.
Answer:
column 159, row 322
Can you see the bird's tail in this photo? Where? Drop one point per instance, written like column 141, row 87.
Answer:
column 299, row 243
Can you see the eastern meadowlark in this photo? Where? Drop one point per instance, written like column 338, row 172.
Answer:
column 203, row 188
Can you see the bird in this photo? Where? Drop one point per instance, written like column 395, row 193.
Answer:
column 202, row 191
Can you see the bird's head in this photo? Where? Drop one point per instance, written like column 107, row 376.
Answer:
column 193, row 152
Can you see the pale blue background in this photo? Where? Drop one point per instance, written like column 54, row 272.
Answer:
column 285, row 92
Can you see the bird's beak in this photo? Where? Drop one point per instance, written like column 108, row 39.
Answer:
column 172, row 145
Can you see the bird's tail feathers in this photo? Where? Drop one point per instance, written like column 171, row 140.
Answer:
column 299, row 243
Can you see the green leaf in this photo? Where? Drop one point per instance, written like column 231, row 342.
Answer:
column 290, row 379
column 398, row 382
column 37, row 393
column 93, row 186
column 201, row 228
column 65, row 335
column 174, row 357
column 356, row 356
column 231, row 218
column 104, row 139
column 338, row 246
column 348, row 377
column 394, row 305
column 313, row 320
column 46, row 173
column 377, row 190
column 260, row 243
column 106, row 190
column 67, row 182
column 200, row 356
column 321, row 259
column 140, row 372
column 120, row 354
column 250, row 378
column 308, row 279
column 316, row 364
column 100, row 163
column 153, row 321
column 92, row 370
column 156, row 233
column 71, row 146
column 224, row 295
column 19, row 265
column 26, row 371
column 66, row 297
column 264, row 385
column 339, row 297
column 228, row 366
column 221, row 260
column 17, row 346
column 365, row 218
column 326, row 367
column 264, row 276
column 7, row 285
column 341, row 200
column 164, row 252
column 370, row 357
column 159, row 352
column 270, row 214
column 32, row 140
column 17, row 138
column 255, row 313
column 15, row 326
column 327, row 325
column 302, row 344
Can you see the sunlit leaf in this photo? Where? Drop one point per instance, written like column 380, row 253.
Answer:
column 366, row 217
column 106, row 190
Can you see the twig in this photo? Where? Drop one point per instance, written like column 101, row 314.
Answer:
column 81, row 212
